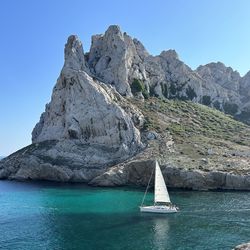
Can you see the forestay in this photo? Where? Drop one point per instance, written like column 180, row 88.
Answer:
column 161, row 192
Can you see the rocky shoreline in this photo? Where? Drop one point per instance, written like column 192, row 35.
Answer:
column 138, row 173
column 135, row 172
column 244, row 246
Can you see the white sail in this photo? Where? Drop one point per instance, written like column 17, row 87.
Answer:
column 161, row 192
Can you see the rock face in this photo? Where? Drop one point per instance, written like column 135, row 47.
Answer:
column 83, row 130
column 99, row 127
column 244, row 115
column 245, row 246
column 63, row 160
column 118, row 59
column 138, row 173
column 85, row 109
column 226, row 82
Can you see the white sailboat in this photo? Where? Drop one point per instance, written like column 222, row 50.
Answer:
column 162, row 203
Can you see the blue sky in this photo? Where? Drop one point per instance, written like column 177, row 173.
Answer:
column 33, row 34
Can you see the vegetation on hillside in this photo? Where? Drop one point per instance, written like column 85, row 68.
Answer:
column 138, row 86
column 204, row 137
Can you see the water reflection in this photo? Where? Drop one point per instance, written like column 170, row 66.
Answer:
column 161, row 232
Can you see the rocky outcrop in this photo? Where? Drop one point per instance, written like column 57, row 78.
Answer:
column 226, row 83
column 244, row 115
column 116, row 58
column 86, row 127
column 244, row 88
column 218, row 73
column 85, row 109
column 245, row 246
column 99, row 127
column 169, row 77
column 60, row 160
column 139, row 172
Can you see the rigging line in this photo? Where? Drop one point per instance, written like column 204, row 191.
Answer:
column 147, row 187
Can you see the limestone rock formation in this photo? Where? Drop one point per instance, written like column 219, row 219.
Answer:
column 169, row 77
column 117, row 59
column 138, row 173
column 86, row 127
column 100, row 128
column 244, row 115
column 85, row 109
column 226, row 84
column 245, row 246
column 218, row 73
column 245, row 88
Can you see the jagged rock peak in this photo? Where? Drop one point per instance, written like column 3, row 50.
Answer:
column 74, row 54
column 218, row 73
column 82, row 108
column 247, row 74
column 113, row 29
column 117, row 59
column 169, row 54
column 218, row 66
column 245, row 92
column 245, row 84
column 141, row 50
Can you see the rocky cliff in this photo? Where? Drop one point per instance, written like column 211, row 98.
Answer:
column 120, row 60
column 116, row 108
column 83, row 129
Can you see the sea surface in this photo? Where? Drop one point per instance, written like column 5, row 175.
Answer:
column 60, row 216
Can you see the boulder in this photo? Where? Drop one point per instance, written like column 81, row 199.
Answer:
column 245, row 246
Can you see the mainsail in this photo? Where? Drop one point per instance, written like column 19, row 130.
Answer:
column 161, row 192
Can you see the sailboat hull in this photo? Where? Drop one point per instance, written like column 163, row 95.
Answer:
column 159, row 209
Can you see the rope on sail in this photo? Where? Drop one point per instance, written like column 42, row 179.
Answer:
column 147, row 187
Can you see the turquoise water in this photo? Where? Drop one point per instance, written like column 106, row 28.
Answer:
column 53, row 216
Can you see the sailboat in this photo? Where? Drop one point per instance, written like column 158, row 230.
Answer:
column 162, row 203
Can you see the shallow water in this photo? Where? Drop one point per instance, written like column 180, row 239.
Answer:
column 54, row 216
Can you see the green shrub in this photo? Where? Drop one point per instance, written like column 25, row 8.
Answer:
column 230, row 108
column 138, row 86
column 206, row 100
column 145, row 93
column 244, row 116
column 190, row 93
column 216, row 105
column 172, row 89
column 164, row 89
column 152, row 91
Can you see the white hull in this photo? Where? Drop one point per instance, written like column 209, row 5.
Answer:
column 159, row 209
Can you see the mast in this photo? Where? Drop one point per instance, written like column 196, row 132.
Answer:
column 147, row 187
column 161, row 192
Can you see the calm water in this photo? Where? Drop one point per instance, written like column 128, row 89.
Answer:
column 49, row 216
